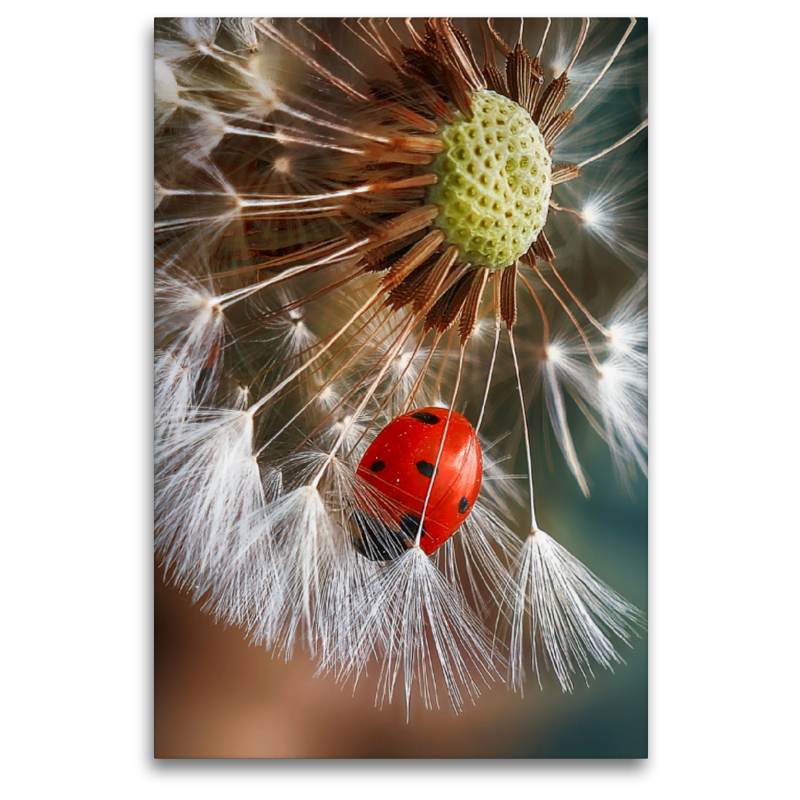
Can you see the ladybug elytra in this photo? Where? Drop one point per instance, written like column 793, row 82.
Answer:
column 397, row 471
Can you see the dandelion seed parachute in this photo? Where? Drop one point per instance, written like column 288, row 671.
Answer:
column 353, row 221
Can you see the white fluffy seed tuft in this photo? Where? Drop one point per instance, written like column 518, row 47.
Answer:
column 422, row 627
column 569, row 611
column 208, row 493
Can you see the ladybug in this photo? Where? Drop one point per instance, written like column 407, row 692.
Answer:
column 396, row 473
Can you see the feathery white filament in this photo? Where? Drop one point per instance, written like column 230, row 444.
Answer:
column 605, row 68
column 417, row 614
column 186, row 371
column 569, row 611
column 308, row 546
column 208, row 492
column 560, row 366
column 640, row 127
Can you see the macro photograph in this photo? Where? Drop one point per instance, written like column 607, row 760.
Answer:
column 400, row 388
column 407, row 411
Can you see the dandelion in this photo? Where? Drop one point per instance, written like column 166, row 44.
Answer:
column 357, row 224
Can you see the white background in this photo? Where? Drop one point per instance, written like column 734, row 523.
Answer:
column 77, row 415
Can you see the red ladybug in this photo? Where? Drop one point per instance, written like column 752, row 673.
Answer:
column 397, row 470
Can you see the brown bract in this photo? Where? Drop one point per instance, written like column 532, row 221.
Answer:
column 381, row 144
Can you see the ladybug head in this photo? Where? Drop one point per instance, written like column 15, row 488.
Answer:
column 384, row 540
column 378, row 541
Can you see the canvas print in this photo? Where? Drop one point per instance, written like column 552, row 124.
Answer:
column 400, row 388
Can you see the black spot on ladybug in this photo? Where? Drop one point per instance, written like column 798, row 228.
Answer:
column 463, row 505
column 427, row 418
column 377, row 466
column 409, row 525
column 375, row 540
column 425, row 468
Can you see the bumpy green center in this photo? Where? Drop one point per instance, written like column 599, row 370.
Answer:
column 494, row 182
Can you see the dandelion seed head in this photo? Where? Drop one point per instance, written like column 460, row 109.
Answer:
column 494, row 182
column 315, row 281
